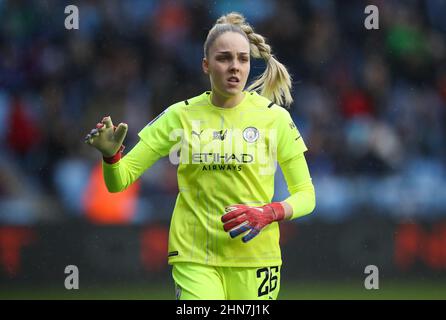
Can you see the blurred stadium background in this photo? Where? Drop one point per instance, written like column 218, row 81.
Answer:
column 371, row 105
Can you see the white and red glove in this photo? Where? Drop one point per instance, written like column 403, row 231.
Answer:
column 108, row 139
column 240, row 218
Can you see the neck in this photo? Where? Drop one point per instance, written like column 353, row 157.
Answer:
column 226, row 102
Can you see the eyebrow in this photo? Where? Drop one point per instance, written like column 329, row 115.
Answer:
column 229, row 52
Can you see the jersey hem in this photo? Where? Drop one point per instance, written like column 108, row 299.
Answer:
column 278, row 262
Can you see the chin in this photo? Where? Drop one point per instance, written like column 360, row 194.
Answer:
column 232, row 91
column 228, row 92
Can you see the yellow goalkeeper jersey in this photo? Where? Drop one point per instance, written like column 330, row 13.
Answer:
column 225, row 156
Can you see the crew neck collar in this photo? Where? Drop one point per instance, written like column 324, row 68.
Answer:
column 236, row 107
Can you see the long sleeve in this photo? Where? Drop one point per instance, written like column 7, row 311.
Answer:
column 297, row 176
column 122, row 174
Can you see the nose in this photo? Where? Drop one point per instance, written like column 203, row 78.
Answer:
column 234, row 66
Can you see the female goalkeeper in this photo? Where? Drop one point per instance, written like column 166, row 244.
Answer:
column 226, row 142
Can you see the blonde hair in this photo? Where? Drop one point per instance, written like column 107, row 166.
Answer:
column 275, row 82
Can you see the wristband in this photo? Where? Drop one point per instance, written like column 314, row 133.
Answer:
column 116, row 157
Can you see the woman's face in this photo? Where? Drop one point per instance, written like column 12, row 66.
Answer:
column 228, row 64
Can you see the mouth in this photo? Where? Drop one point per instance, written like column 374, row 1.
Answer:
column 233, row 80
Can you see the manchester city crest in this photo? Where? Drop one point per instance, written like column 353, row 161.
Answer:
column 251, row 134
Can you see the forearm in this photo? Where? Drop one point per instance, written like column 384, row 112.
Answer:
column 301, row 202
column 302, row 199
column 120, row 175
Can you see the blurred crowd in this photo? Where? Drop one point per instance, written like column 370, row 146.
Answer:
column 370, row 104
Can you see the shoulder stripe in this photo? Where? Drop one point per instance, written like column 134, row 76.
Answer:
column 172, row 254
column 186, row 102
column 271, row 104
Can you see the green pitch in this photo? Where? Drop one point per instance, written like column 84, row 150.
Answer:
column 301, row 291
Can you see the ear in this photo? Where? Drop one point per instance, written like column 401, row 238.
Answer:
column 205, row 66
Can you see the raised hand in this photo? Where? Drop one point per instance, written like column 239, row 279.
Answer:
column 106, row 137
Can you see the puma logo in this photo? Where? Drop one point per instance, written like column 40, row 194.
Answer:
column 197, row 134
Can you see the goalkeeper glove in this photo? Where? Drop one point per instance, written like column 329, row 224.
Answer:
column 240, row 218
column 108, row 139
